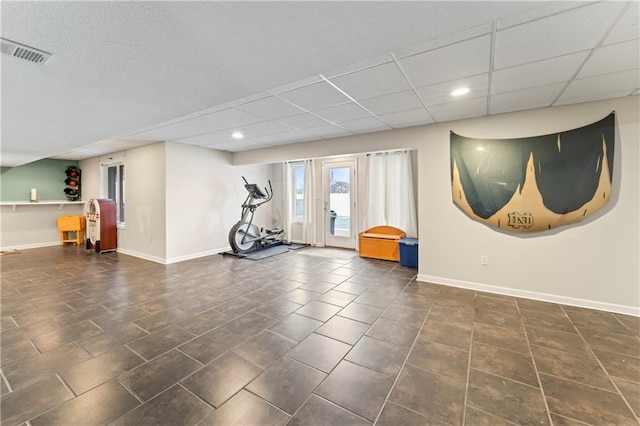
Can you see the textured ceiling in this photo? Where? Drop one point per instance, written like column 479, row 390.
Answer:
column 125, row 74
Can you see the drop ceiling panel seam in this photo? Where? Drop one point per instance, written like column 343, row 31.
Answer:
column 413, row 87
column 566, row 52
column 304, row 110
column 352, row 99
column 593, row 50
column 444, row 46
column 492, row 55
column 548, row 15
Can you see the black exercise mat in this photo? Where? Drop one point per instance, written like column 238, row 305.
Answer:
column 268, row 252
column 296, row 246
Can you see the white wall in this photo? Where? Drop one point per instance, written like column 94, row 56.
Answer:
column 145, row 217
column 90, row 178
column 593, row 263
column 204, row 197
column 33, row 225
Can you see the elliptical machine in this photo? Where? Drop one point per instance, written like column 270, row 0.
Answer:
column 245, row 236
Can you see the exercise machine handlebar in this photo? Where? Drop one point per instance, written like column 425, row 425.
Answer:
column 255, row 193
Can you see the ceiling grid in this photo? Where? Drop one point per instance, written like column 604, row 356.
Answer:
column 510, row 55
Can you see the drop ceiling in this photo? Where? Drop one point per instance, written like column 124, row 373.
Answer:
column 126, row 74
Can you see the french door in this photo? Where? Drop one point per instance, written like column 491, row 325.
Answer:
column 339, row 195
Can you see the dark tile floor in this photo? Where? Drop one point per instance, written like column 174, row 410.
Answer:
column 311, row 337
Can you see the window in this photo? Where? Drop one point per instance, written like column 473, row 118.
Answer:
column 298, row 193
column 113, row 188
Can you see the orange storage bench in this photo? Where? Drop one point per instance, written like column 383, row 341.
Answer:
column 71, row 224
column 381, row 242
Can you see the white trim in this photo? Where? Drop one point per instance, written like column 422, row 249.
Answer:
column 176, row 259
column 31, row 246
column 139, row 255
column 197, row 255
column 526, row 294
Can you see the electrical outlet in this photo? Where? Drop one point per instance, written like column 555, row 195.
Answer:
column 484, row 260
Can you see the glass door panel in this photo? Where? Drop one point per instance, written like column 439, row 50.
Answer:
column 339, row 204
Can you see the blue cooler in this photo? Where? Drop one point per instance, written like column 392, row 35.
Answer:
column 409, row 252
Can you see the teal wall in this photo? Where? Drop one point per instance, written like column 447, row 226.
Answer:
column 47, row 176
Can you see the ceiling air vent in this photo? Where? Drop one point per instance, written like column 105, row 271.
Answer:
column 21, row 51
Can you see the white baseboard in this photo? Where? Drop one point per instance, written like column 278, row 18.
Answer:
column 144, row 256
column 31, row 246
column 196, row 255
column 526, row 294
column 171, row 260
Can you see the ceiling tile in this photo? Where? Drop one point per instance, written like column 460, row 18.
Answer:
column 270, row 108
column 263, row 129
column 329, row 131
column 374, row 81
column 447, row 40
column 627, row 28
column 247, row 99
column 613, row 58
column 447, row 63
column 519, row 108
column 370, row 62
column 538, row 73
column 296, row 84
column 161, row 134
column 593, row 97
column 441, row 93
column 548, row 9
column 523, row 99
column 250, row 131
column 302, row 121
column 603, row 86
column 102, row 148
column 209, row 123
column 206, row 139
column 134, row 135
column 294, row 136
column 267, row 140
column 315, row 96
column 458, row 110
column 77, row 155
column 236, row 146
column 412, row 117
column 344, row 112
column 205, row 111
column 568, row 32
column 227, row 119
column 401, row 101
column 365, row 125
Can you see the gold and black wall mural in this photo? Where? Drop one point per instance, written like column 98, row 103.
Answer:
column 537, row 183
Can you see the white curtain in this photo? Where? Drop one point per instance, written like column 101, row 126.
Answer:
column 307, row 228
column 308, row 223
column 286, row 190
column 389, row 192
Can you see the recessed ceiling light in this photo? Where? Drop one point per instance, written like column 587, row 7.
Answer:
column 237, row 135
column 461, row 91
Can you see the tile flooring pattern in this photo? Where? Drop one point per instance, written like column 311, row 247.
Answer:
column 310, row 337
